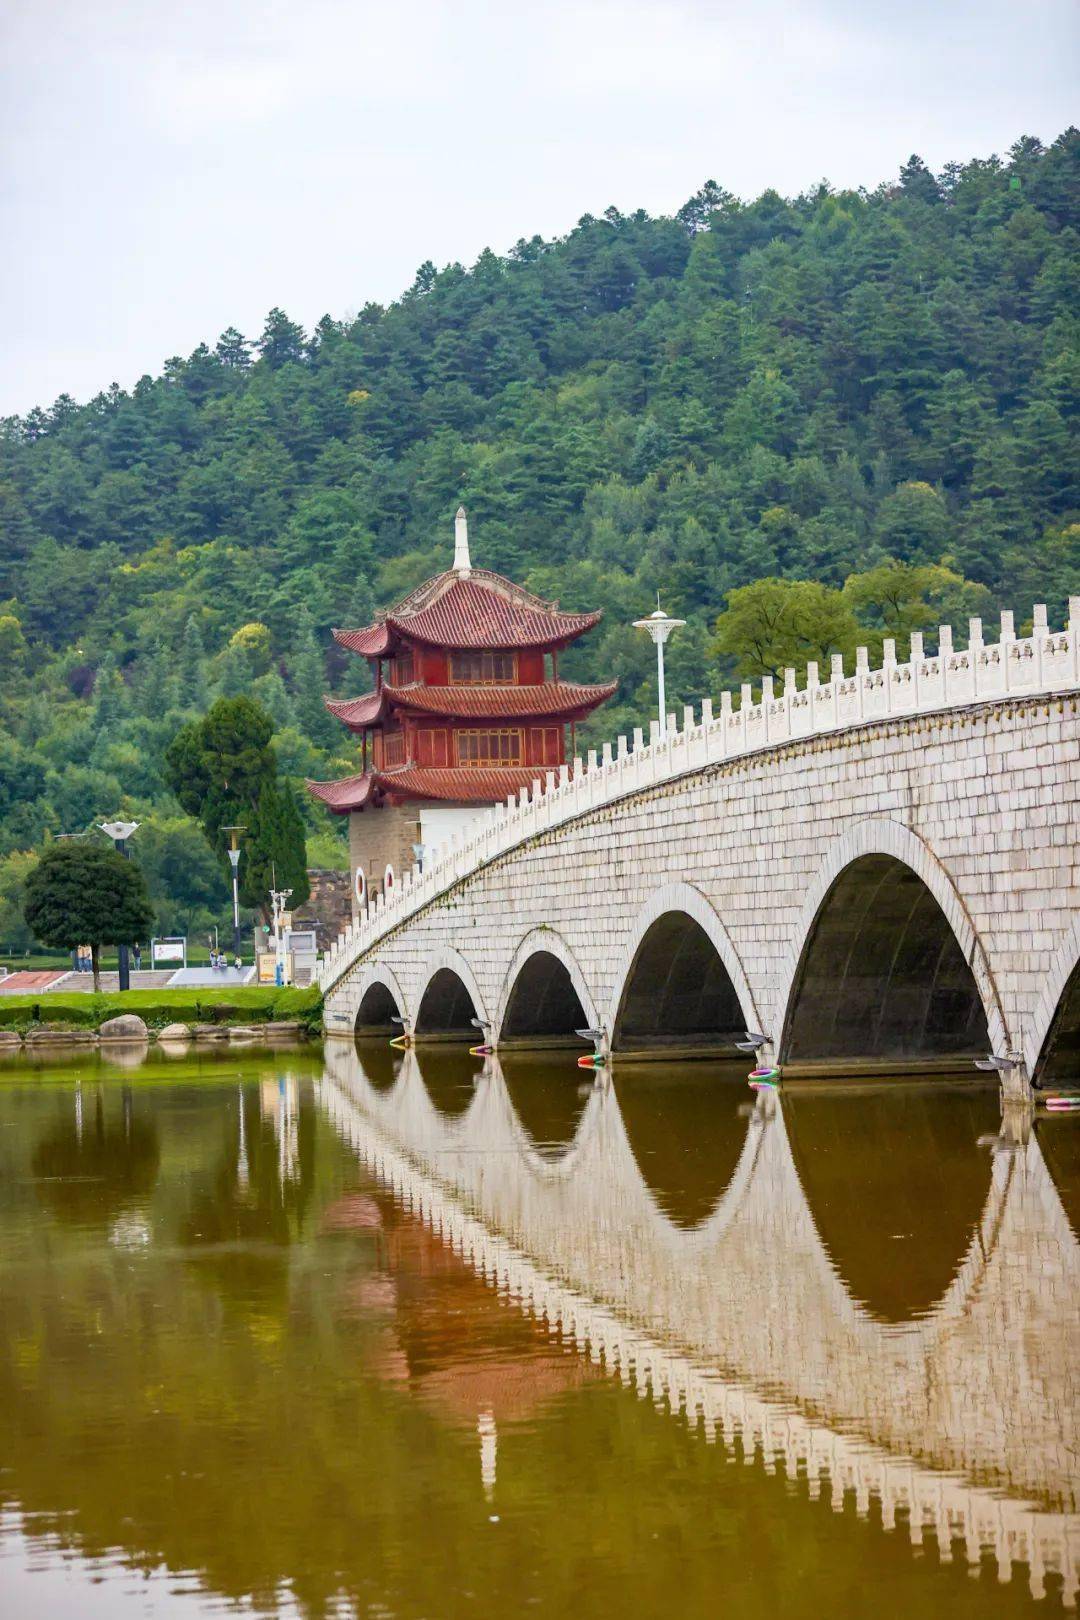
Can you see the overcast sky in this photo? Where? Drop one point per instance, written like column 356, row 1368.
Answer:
column 174, row 168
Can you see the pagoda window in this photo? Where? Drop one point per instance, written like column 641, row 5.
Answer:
column 402, row 669
column 393, row 748
column 544, row 746
column 433, row 747
column 478, row 749
column 483, row 668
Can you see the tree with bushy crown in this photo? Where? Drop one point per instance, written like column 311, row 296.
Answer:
column 81, row 890
column 224, row 772
column 779, row 624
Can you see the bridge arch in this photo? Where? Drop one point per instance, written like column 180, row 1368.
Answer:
column 544, row 996
column 450, row 1000
column 679, row 940
column 864, row 904
column 379, row 1003
column 1058, row 1004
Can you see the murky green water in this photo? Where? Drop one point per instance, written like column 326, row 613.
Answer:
column 419, row 1335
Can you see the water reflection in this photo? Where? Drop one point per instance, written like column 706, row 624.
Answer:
column 897, row 1184
column 99, row 1159
column 549, row 1098
column 1059, row 1140
column 763, row 1246
column 686, row 1124
column 449, row 1073
column 346, row 1351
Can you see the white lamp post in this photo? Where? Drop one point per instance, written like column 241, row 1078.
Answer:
column 660, row 626
column 233, row 853
column 120, row 832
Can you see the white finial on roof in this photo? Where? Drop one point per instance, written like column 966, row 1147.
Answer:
column 462, row 565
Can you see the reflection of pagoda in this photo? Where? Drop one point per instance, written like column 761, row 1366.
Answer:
column 466, row 710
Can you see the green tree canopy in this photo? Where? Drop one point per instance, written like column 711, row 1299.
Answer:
column 224, row 772
column 779, row 624
column 82, row 891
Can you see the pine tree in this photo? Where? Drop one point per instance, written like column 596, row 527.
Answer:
column 192, row 667
column 110, row 697
column 307, row 673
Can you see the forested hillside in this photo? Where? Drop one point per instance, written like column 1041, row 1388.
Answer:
column 797, row 388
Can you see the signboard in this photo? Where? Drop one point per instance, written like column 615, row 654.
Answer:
column 300, row 941
column 267, row 967
column 169, row 950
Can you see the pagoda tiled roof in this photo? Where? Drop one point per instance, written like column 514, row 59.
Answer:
column 465, row 611
column 461, row 784
column 550, row 698
column 358, row 713
column 348, row 793
column 458, row 784
column 373, row 642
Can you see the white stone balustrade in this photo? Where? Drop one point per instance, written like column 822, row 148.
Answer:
column 1045, row 662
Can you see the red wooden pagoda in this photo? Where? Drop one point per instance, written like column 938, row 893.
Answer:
column 468, row 707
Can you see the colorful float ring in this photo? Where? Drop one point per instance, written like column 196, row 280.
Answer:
column 591, row 1060
column 402, row 1042
column 481, row 1051
column 768, row 1071
column 1063, row 1105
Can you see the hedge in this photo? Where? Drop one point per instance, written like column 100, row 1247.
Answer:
column 245, row 1004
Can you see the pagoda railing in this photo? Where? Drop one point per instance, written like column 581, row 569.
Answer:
column 1044, row 662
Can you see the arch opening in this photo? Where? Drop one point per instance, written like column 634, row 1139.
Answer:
column 544, row 1009
column 678, row 996
column 377, row 1012
column 450, row 1075
column 896, row 1183
column 686, row 1130
column 549, row 1096
column 446, row 1010
column 883, row 983
column 1060, row 1056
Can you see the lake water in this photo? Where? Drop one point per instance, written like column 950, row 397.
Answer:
column 423, row 1335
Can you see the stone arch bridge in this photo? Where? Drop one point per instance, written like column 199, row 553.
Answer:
column 876, row 872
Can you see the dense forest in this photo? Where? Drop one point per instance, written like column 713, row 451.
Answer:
column 794, row 388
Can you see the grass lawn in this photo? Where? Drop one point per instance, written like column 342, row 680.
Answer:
column 238, row 1004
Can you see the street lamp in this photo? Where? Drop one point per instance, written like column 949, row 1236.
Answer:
column 279, row 898
column 233, row 853
column 660, row 626
column 120, row 832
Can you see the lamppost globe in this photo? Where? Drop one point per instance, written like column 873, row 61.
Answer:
column 659, row 626
column 120, row 831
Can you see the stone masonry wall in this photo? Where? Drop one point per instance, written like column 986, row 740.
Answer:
column 380, row 838
column 983, row 803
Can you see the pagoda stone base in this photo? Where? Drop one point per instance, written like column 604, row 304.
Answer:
column 379, row 837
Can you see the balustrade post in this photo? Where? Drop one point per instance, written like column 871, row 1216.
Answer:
column 888, row 669
column 836, row 676
column 766, row 699
column 945, row 653
column 1072, row 630
column 812, row 684
column 725, row 724
column 1008, row 637
column 1039, row 630
column 975, row 647
column 917, row 656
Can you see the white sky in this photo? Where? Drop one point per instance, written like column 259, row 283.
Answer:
column 170, row 169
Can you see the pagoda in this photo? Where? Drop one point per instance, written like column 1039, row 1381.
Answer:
column 467, row 709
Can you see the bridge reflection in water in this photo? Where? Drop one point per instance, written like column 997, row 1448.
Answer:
column 877, row 1290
